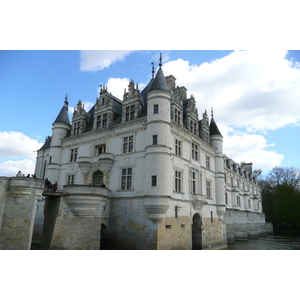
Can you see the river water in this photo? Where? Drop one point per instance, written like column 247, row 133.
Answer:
column 269, row 242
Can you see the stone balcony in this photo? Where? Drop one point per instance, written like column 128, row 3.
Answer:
column 85, row 200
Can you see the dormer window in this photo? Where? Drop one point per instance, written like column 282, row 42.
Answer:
column 129, row 113
column 177, row 116
column 76, row 128
column 104, row 121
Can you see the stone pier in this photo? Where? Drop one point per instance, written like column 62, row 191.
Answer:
column 18, row 199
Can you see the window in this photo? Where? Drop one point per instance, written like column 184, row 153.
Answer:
column 126, row 179
column 211, row 217
column 153, row 180
column 154, row 139
column 238, row 201
column 98, row 123
column 71, row 179
column 178, row 176
column 128, row 144
column 193, row 127
column 208, row 162
column 73, row 156
column 249, row 203
column 129, row 113
column 226, row 198
column 104, row 121
column 101, row 121
column 208, row 191
column 177, row 116
column 193, row 182
column 177, row 147
column 76, row 128
column 155, row 108
column 194, row 151
column 98, row 178
column 101, row 149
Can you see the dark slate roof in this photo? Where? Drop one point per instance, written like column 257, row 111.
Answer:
column 159, row 82
column 63, row 116
column 47, row 143
column 213, row 128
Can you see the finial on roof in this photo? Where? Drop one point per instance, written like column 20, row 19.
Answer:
column 66, row 100
column 160, row 60
column 212, row 113
column 152, row 70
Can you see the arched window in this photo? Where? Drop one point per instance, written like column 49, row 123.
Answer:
column 98, row 178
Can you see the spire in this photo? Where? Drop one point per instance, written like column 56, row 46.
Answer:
column 63, row 116
column 152, row 70
column 160, row 60
column 66, row 100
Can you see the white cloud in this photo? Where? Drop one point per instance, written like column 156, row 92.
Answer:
column 16, row 144
column 251, row 148
column 10, row 168
column 257, row 90
column 97, row 60
column 20, row 152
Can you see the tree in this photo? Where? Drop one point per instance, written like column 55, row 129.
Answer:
column 281, row 195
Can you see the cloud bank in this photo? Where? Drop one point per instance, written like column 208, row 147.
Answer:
column 251, row 92
column 19, row 153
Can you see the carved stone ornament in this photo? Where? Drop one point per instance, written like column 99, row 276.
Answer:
column 198, row 204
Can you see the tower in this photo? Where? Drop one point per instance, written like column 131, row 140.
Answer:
column 158, row 183
column 60, row 129
column 216, row 140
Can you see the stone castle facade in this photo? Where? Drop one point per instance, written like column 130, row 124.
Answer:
column 143, row 173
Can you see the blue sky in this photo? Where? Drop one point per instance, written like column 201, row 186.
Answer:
column 255, row 96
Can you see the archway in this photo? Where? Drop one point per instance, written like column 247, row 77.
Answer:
column 104, row 238
column 98, row 178
column 196, row 233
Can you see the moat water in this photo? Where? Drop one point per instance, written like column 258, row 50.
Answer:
column 269, row 242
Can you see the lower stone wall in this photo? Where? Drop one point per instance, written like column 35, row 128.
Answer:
column 213, row 234
column 243, row 225
column 75, row 233
column 129, row 226
column 175, row 233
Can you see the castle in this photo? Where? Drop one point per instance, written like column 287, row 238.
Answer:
column 141, row 173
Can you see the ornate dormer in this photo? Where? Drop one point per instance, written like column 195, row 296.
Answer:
column 131, row 103
column 191, row 115
column 80, row 119
column 107, row 109
column 204, row 127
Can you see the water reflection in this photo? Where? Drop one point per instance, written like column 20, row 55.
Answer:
column 269, row 242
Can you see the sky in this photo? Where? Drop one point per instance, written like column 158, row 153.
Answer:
column 254, row 95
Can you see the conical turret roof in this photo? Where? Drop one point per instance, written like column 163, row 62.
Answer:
column 213, row 128
column 63, row 116
column 159, row 82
